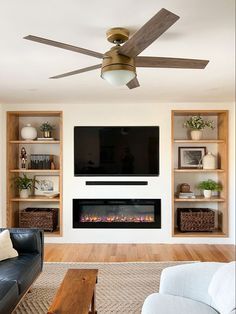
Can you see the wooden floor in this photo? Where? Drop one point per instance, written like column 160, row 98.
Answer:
column 138, row 252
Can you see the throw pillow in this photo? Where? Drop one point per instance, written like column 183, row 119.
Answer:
column 6, row 247
column 222, row 288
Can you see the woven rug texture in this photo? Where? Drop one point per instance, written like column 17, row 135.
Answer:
column 121, row 288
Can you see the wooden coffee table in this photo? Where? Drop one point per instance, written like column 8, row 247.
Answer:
column 76, row 293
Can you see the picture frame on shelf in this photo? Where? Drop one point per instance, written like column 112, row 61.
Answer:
column 190, row 157
column 46, row 185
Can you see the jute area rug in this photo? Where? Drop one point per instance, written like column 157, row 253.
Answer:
column 121, row 287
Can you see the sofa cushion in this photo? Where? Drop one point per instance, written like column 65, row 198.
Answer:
column 158, row 303
column 6, row 247
column 8, row 296
column 22, row 269
column 222, row 288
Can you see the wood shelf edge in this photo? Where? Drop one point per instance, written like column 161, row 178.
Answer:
column 199, row 234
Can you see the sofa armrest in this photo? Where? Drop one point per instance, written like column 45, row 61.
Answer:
column 189, row 280
column 26, row 240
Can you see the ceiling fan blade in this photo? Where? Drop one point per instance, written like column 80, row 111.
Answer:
column 161, row 62
column 64, row 46
column 133, row 83
column 93, row 67
column 149, row 32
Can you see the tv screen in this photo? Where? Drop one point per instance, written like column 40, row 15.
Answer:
column 116, row 151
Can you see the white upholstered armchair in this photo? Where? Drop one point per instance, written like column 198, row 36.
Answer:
column 197, row 288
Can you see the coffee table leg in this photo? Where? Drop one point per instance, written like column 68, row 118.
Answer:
column 93, row 303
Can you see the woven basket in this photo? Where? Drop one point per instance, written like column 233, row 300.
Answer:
column 43, row 218
column 195, row 219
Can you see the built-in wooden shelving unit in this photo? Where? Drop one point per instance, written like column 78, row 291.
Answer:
column 15, row 121
column 215, row 141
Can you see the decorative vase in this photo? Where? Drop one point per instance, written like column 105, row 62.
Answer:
column 47, row 134
column 28, row 132
column 196, row 134
column 209, row 161
column 24, row 193
column 207, row 193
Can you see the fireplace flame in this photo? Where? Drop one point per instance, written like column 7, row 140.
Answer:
column 137, row 219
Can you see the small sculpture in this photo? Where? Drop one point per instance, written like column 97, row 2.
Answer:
column 23, row 157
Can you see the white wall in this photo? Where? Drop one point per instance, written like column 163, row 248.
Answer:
column 1, row 168
column 158, row 187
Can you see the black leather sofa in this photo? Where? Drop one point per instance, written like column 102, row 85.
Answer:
column 17, row 274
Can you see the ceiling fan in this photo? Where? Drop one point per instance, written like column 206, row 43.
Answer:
column 119, row 63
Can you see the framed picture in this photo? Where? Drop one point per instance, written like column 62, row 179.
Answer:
column 47, row 185
column 191, row 157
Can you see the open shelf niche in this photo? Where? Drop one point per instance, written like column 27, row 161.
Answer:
column 215, row 141
column 15, row 121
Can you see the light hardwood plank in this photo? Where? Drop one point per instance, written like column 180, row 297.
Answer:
column 138, row 252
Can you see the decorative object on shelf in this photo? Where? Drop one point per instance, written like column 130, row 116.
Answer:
column 184, row 188
column 28, row 132
column 195, row 219
column 25, row 184
column 191, row 157
column 43, row 218
column 184, row 191
column 196, row 124
column 209, row 161
column 47, row 186
column 46, row 129
column 23, row 158
column 208, row 186
column 41, row 161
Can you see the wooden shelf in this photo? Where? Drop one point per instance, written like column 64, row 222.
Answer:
column 215, row 142
column 34, row 142
column 35, row 170
column 36, row 198
column 200, row 199
column 198, row 170
column 212, row 234
column 199, row 141
column 15, row 121
column 55, row 233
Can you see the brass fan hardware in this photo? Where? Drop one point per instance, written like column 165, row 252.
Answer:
column 119, row 63
column 117, row 35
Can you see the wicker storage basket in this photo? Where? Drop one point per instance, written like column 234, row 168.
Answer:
column 43, row 218
column 195, row 219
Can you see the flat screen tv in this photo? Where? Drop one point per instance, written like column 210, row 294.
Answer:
column 116, row 151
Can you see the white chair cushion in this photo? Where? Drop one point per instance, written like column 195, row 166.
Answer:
column 6, row 248
column 158, row 303
column 222, row 288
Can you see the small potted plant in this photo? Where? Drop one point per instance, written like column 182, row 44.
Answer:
column 196, row 124
column 24, row 184
column 208, row 186
column 46, row 128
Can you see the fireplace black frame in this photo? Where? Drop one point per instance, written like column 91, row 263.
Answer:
column 149, row 225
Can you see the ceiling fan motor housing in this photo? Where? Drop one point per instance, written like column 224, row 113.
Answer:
column 114, row 61
column 117, row 35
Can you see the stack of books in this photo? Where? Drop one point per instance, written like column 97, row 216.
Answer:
column 186, row 195
column 41, row 161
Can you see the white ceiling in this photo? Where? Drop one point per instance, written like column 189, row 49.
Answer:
column 205, row 30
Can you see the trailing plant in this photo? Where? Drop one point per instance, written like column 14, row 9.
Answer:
column 209, row 185
column 25, row 183
column 198, row 123
column 46, row 126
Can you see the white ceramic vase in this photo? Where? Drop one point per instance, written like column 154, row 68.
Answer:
column 24, row 193
column 209, row 161
column 207, row 193
column 196, row 134
column 28, row 132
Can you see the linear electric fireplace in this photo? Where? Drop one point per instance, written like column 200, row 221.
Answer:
column 116, row 213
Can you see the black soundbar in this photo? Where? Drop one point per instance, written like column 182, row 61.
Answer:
column 116, row 183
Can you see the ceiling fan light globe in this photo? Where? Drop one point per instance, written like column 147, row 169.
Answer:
column 118, row 77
